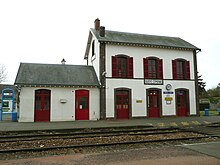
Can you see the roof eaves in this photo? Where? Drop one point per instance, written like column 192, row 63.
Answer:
column 55, row 85
column 18, row 73
column 88, row 45
column 148, row 45
column 91, row 34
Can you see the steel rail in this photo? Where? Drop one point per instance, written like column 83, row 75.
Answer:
column 80, row 129
column 131, row 133
column 83, row 134
column 97, row 145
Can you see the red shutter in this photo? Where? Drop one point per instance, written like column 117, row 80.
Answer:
column 160, row 68
column 114, row 67
column 174, row 69
column 130, row 67
column 187, row 70
column 145, row 60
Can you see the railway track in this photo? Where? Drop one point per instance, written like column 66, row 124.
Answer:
column 45, row 141
column 85, row 134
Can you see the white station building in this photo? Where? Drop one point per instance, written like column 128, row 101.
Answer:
column 128, row 75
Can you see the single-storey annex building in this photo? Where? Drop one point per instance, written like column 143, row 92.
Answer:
column 128, row 75
column 57, row 92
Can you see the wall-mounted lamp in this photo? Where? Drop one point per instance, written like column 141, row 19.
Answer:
column 63, row 101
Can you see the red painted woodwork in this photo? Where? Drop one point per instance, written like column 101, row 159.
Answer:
column 82, row 105
column 154, row 103
column 187, row 70
column 184, row 72
column 122, row 66
column 42, row 106
column 130, row 67
column 114, row 66
column 155, row 71
column 160, row 69
column 182, row 103
column 174, row 69
column 122, row 104
column 145, row 60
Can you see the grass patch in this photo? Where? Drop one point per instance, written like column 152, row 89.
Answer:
column 212, row 112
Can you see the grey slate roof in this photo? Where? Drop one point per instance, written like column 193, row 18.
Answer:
column 56, row 74
column 134, row 38
column 140, row 39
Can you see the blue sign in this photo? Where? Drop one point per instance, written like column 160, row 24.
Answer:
column 7, row 94
column 167, row 92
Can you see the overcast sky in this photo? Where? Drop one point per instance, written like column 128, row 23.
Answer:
column 45, row 31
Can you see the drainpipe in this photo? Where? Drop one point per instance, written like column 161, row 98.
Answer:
column 196, row 80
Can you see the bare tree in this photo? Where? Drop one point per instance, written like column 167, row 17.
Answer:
column 201, row 85
column 3, row 73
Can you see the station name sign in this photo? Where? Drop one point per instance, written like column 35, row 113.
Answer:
column 153, row 82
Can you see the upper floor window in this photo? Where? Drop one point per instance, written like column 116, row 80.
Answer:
column 181, row 69
column 153, row 68
column 122, row 66
column 93, row 48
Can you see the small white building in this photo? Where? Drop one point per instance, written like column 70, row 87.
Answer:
column 57, row 92
column 143, row 75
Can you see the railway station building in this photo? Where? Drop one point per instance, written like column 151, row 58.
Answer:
column 128, row 75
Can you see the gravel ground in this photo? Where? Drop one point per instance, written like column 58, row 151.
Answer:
column 160, row 155
column 99, row 150
column 138, row 154
column 95, row 140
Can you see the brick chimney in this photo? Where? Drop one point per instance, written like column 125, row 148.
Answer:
column 102, row 31
column 97, row 24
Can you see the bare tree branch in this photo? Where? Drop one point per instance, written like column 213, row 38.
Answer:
column 3, row 73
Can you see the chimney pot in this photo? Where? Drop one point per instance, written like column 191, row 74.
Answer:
column 102, row 31
column 63, row 61
column 97, row 24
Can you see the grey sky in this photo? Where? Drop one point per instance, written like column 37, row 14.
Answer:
column 45, row 31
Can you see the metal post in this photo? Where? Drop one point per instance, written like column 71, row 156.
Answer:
column 206, row 112
column 1, row 106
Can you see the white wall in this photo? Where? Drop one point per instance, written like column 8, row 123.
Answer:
column 59, row 111
column 26, row 108
column 138, row 92
column 94, row 61
column 138, row 53
column 137, row 84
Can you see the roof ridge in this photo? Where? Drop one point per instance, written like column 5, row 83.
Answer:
column 54, row 64
column 137, row 33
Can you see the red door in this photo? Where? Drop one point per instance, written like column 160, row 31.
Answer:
column 122, row 104
column 42, row 105
column 82, row 105
column 182, row 102
column 154, row 103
